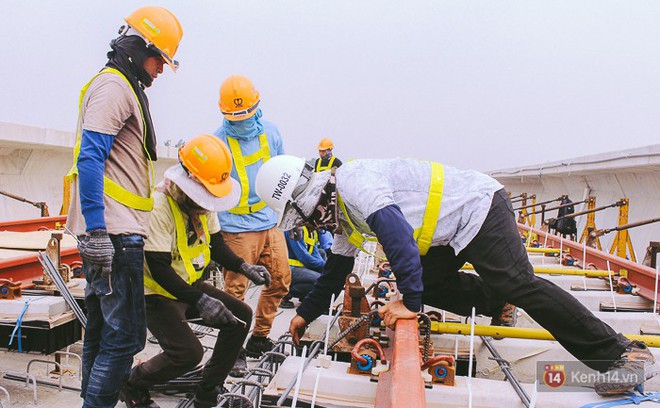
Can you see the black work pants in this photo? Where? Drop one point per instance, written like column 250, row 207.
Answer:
column 182, row 350
column 506, row 275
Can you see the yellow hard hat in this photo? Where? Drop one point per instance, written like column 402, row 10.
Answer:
column 160, row 29
column 239, row 99
column 208, row 159
column 326, row 144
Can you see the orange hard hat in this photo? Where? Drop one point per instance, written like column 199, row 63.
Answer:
column 208, row 159
column 160, row 29
column 239, row 98
column 326, row 144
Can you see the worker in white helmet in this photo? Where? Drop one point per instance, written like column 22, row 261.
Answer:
column 430, row 220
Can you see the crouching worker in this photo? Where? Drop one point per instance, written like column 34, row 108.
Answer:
column 306, row 263
column 430, row 220
column 184, row 236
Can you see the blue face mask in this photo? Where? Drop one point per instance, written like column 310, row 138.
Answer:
column 244, row 129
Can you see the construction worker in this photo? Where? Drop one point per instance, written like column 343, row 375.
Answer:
column 306, row 263
column 326, row 160
column 111, row 202
column 184, row 236
column 431, row 219
column 250, row 228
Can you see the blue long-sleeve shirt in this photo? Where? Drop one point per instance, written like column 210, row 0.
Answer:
column 265, row 218
column 94, row 150
column 396, row 237
column 298, row 250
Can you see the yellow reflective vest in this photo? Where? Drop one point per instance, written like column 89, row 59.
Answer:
column 188, row 253
column 424, row 234
column 310, row 243
column 240, row 163
column 328, row 167
column 111, row 188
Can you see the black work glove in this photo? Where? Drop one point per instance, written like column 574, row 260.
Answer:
column 96, row 248
column 256, row 273
column 214, row 312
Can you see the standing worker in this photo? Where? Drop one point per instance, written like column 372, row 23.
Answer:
column 249, row 229
column 112, row 175
column 306, row 263
column 326, row 160
column 431, row 219
column 184, row 236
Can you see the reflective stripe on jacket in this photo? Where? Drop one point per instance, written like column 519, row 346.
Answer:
column 111, row 188
column 201, row 251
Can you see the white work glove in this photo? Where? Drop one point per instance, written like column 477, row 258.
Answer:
column 258, row 274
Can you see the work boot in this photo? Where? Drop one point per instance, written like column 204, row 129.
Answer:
column 507, row 316
column 287, row 303
column 207, row 398
column 635, row 366
column 240, row 366
column 136, row 397
column 257, row 346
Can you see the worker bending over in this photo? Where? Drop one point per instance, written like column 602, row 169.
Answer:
column 430, row 220
column 326, row 160
column 306, row 263
column 184, row 236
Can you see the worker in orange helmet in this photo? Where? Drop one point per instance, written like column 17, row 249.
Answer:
column 250, row 228
column 184, row 236
column 326, row 160
column 111, row 201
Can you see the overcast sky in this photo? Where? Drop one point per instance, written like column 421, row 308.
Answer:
column 475, row 84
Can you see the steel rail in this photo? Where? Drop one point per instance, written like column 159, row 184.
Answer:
column 506, row 369
column 402, row 385
column 33, row 224
column 541, row 203
column 577, row 214
column 530, row 333
column 550, row 270
column 54, row 274
column 643, row 277
column 557, row 207
column 601, row 232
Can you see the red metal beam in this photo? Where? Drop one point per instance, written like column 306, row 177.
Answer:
column 639, row 275
column 402, row 385
column 34, row 224
column 26, row 268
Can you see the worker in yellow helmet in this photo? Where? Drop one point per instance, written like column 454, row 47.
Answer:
column 326, row 160
column 250, row 228
column 111, row 202
column 184, row 236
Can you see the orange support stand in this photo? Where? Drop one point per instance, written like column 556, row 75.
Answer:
column 402, row 385
column 622, row 244
column 590, row 225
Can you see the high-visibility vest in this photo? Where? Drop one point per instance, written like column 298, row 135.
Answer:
column 310, row 242
column 424, row 234
column 111, row 188
column 240, row 163
column 188, row 253
column 328, row 167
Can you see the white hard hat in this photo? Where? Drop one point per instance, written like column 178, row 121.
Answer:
column 276, row 181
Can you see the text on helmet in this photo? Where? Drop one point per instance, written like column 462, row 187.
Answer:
column 281, row 185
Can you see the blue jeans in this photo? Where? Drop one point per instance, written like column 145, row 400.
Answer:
column 302, row 282
column 116, row 323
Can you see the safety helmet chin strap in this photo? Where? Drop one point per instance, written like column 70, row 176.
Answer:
column 325, row 215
